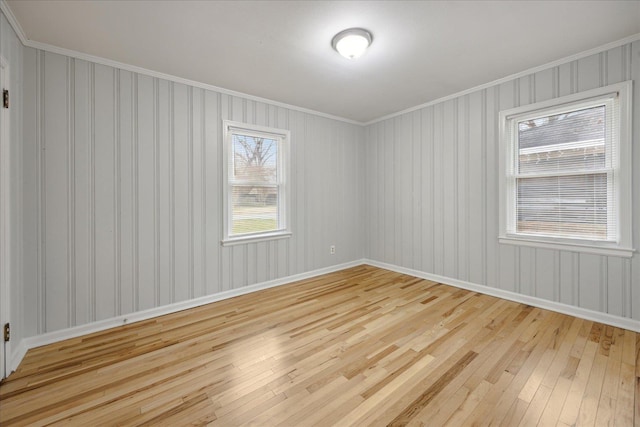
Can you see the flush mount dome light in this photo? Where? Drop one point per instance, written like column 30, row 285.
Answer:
column 352, row 43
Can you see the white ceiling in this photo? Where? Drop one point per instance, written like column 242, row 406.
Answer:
column 282, row 51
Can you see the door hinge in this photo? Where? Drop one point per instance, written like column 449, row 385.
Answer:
column 7, row 332
column 5, row 98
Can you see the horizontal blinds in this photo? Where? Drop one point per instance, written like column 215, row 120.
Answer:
column 564, row 170
column 574, row 205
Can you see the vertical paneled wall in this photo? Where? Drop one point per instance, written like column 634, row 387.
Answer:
column 432, row 193
column 127, row 193
column 119, row 207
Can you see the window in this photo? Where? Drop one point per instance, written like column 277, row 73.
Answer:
column 256, row 175
column 565, row 176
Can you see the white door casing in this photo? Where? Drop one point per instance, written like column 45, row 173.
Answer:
column 5, row 221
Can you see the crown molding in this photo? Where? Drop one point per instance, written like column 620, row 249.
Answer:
column 510, row 77
column 6, row 10
column 176, row 79
column 8, row 13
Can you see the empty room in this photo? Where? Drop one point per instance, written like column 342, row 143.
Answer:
column 320, row 213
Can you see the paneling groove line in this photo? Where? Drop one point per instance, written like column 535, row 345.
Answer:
column 92, row 194
column 117, row 215
column 134, row 191
column 360, row 346
column 156, row 196
column 203, row 194
column 190, row 228
column 172, row 193
column 71, row 206
column 41, row 203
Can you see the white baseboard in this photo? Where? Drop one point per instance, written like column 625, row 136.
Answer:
column 51, row 337
column 17, row 355
column 596, row 316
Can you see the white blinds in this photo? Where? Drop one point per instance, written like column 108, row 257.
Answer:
column 563, row 172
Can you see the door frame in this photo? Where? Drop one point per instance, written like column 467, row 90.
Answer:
column 5, row 223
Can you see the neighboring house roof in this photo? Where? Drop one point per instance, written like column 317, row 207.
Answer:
column 583, row 125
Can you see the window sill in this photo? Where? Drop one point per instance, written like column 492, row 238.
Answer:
column 256, row 238
column 569, row 246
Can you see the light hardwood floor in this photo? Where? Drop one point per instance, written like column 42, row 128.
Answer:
column 363, row 346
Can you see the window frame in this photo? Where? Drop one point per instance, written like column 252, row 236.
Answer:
column 283, row 137
column 621, row 172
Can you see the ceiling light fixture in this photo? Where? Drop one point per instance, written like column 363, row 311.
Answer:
column 352, row 43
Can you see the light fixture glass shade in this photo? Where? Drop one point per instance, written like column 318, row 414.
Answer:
column 352, row 43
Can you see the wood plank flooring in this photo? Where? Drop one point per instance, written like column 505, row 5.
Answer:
column 363, row 346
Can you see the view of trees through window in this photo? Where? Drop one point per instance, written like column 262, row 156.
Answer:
column 254, row 184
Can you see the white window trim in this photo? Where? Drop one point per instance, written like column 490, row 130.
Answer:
column 284, row 199
column 624, row 245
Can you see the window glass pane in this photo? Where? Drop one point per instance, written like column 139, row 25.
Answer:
column 568, row 206
column 254, row 159
column 254, row 209
column 574, row 140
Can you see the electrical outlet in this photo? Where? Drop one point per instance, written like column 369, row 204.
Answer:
column 332, row 249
